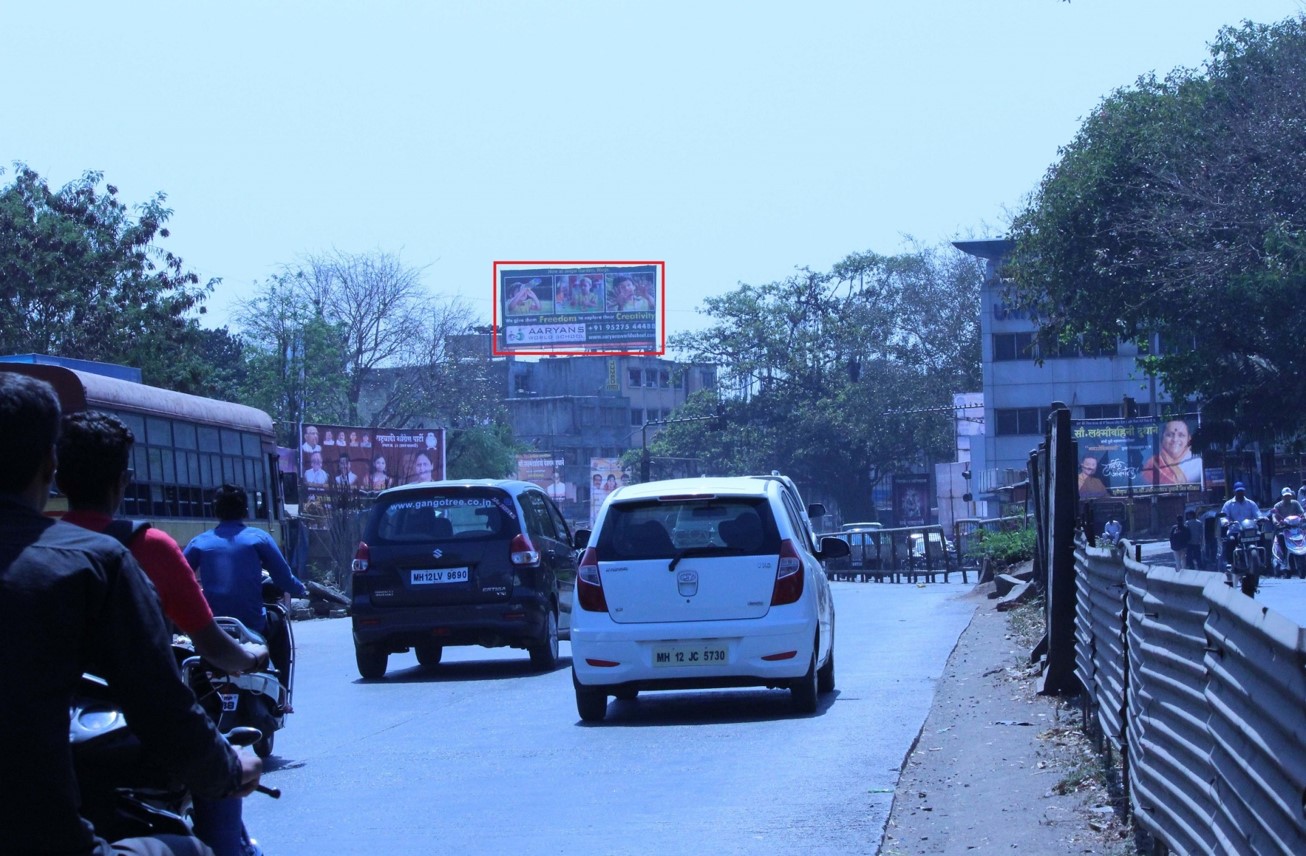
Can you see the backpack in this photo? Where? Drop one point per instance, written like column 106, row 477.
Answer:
column 1178, row 537
column 126, row 530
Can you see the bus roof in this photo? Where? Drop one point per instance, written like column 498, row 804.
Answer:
column 80, row 390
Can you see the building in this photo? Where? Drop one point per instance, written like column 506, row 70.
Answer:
column 581, row 409
column 1093, row 379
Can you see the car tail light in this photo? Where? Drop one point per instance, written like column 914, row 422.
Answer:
column 361, row 558
column 788, row 576
column 523, row 551
column 589, row 587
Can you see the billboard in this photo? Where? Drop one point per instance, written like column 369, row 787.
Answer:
column 579, row 308
column 911, row 499
column 546, row 470
column 336, row 458
column 605, row 477
column 1122, row 457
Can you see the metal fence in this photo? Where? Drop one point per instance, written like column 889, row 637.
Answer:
column 1202, row 690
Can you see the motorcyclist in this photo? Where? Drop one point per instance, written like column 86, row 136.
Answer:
column 230, row 559
column 1235, row 510
column 1287, row 506
column 73, row 601
column 94, row 450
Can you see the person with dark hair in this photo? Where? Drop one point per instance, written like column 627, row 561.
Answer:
column 74, row 601
column 94, row 450
column 345, row 476
column 230, row 559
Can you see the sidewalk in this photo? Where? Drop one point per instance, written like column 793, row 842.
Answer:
column 998, row 768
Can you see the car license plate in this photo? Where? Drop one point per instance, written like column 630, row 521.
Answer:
column 700, row 654
column 229, row 701
column 439, row 575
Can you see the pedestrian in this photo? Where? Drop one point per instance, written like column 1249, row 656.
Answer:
column 1179, row 541
column 1196, row 536
column 74, row 601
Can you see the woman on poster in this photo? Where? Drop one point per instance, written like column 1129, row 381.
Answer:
column 1174, row 462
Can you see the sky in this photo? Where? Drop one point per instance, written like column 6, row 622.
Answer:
column 735, row 141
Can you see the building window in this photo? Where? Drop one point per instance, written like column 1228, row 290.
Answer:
column 1100, row 345
column 1013, row 346
column 664, row 379
column 1002, row 312
column 635, row 377
column 636, row 416
column 1102, row 411
column 707, row 379
column 1014, row 421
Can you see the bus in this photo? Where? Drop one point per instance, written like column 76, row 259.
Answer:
column 186, row 446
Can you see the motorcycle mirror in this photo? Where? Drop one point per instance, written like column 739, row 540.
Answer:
column 244, row 736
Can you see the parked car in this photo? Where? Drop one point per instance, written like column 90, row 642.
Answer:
column 742, row 601
column 478, row 562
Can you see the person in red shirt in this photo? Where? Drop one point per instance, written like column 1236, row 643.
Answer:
column 94, row 450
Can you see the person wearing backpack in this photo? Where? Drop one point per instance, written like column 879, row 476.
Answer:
column 1179, row 541
column 94, row 450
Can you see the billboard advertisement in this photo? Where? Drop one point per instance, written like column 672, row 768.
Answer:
column 559, row 308
column 336, row 458
column 911, row 499
column 605, row 477
column 1123, row 457
column 546, row 470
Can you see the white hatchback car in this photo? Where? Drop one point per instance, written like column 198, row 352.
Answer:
column 742, row 600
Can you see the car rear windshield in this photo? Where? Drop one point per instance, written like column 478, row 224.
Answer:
column 665, row 529
column 473, row 513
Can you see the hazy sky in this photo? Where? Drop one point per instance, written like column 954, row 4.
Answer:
column 734, row 140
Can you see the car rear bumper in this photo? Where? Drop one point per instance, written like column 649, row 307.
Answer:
column 608, row 654
column 515, row 622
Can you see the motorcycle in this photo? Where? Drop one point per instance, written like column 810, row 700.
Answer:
column 1247, row 560
column 1290, row 547
column 259, row 699
column 124, row 794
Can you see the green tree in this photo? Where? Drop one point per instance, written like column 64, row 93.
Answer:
column 824, row 375
column 357, row 340
column 83, row 277
column 1180, row 209
column 482, row 451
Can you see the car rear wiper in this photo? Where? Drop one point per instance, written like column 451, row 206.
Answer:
column 701, row 551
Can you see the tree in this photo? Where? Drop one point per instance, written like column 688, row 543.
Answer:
column 1180, row 209
column 357, row 340
column 81, row 277
column 292, row 357
column 821, row 372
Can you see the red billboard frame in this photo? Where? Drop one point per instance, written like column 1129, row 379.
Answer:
column 559, row 352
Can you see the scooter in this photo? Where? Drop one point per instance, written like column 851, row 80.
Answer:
column 1246, row 542
column 1290, row 547
column 260, row 699
column 123, row 793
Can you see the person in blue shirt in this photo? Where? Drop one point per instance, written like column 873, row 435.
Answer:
column 231, row 557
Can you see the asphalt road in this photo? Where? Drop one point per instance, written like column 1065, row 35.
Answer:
column 480, row 755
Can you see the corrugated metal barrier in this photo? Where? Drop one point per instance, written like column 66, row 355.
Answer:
column 1203, row 691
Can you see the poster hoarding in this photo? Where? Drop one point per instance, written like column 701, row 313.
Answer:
column 546, row 470
column 1123, row 457
column 911, row 499
column 578, row 308
column 336, row 458
column 605, row 477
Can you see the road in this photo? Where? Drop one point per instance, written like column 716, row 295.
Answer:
column 480, row 755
